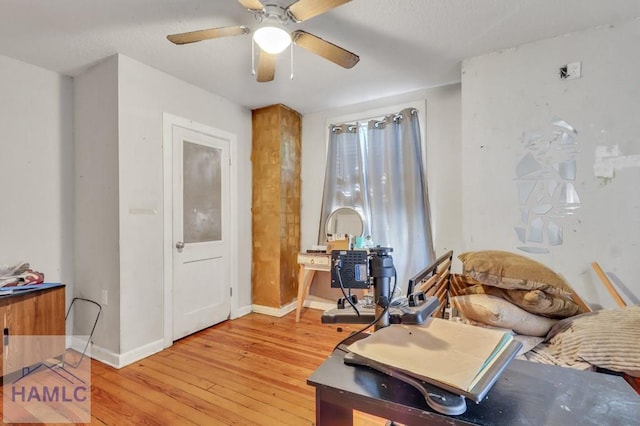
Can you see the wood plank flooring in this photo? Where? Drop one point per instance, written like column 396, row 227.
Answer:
column 247, row 371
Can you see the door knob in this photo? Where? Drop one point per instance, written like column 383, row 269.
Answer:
column 179, row 245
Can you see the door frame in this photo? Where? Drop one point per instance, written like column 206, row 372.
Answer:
column 168, row 122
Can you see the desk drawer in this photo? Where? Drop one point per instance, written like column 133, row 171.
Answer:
column 321, row 260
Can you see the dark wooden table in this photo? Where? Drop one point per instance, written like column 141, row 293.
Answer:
column 526, row 394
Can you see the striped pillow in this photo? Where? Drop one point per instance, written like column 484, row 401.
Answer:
column 607, row 339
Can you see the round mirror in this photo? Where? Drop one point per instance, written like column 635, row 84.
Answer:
column 345, row 220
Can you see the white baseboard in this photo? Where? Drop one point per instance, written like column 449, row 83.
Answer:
column 115, row 360
column 310, row 302
column 275, row 312
column 78, row 344
column 321, row 304
column 121, row 360
column 240, row 312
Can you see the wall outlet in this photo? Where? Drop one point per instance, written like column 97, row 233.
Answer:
column 104, row 299
column 571, row 71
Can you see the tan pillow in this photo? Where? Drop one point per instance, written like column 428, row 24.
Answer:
column 493, row 310
column 534, row 301
column 512, row 271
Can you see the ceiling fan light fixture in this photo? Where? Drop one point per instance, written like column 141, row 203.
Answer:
column 272, row 39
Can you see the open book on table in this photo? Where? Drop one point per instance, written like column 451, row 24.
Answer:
column 460, row 358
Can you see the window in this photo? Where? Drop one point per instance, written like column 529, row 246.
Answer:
column 375, row 167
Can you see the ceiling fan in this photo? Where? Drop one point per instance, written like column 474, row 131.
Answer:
column 272, row 39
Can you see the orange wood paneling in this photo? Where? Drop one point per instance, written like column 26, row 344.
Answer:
column 275, row 157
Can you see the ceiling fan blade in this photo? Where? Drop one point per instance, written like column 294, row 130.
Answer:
column 307, row 9
column 329, row 51
column 266, row 67
column 252, row 4
column 194, row 36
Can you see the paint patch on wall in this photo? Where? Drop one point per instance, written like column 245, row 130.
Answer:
column 545, row 189
column 608, row 160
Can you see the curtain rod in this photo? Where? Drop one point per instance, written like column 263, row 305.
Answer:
column 377, row 123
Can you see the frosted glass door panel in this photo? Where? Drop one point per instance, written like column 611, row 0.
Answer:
column 202, row 191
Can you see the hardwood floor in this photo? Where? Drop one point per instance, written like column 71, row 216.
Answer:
column 247, row 371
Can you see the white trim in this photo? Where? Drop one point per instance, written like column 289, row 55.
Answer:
column 167, row 243
column 241, row 311
column 105, row 356
column 78, row 344
column 319, row 304
column 234, row 207
column 275, row 312
column 168, row 122
column 121, row 360
column 322, row 305
column 139, row 353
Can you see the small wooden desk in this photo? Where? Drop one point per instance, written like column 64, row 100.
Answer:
column 32, row 312
column 525, row 394
column 309, row 264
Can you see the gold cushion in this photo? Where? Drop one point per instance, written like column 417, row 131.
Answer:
column 512, row 271
column 534, row 301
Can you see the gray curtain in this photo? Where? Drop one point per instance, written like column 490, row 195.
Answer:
column 376, row 168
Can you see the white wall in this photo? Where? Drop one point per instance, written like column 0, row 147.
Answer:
column 442, row 153
column 144, row 94
column 508, row 93
column 97, row 252
column 36, row 170
column 120, row 105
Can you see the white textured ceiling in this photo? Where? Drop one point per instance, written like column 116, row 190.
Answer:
column 403, row 45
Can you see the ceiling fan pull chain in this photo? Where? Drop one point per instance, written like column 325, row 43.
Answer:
column 291, row 49
column 253, row 57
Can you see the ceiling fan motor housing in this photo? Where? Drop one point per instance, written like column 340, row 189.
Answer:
column 274, row 13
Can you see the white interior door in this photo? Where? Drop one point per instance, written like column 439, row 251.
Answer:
column 201, row 252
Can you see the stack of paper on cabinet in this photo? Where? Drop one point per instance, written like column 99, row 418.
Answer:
column 460, row 358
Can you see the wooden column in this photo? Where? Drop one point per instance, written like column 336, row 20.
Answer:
column 275, row 158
